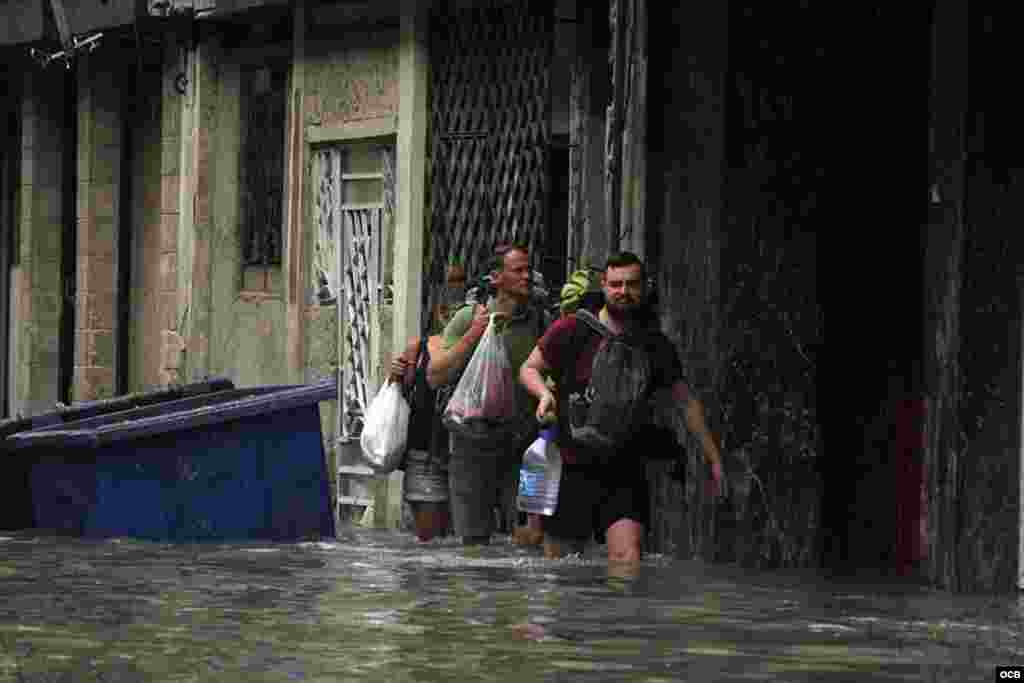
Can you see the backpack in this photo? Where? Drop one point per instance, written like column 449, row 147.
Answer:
column 604, row 416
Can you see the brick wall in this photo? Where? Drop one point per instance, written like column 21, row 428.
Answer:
column 171, row 175
column 99, row 175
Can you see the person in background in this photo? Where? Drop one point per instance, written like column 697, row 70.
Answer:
column 429, row 439
column 609, row 494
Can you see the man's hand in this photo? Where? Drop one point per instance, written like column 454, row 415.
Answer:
column 479, row 325
column 445, row 365
column 403, row 362
column 531, row 376
column 398, row 367
column 696, row 425
column 714, row 484
column 546, row 407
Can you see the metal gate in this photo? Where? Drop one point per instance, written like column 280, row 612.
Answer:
column 348, row 260
column 490, row 129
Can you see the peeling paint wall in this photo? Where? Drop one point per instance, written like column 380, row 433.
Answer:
column 348, row 81
column 247, row 315
column 352, row 78
column 238, row 317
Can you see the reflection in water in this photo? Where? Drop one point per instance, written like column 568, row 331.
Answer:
column 380, row 607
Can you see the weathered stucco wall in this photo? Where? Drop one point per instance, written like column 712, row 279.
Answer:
column 349, row 81
column 686, row 148
column 772, row 325
column 353, row 77
column 245, row 321
column 346, row 81
column 988, row 461
column 247, row 333
column 734, row 247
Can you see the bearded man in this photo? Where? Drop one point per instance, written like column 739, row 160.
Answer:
column 601, row 495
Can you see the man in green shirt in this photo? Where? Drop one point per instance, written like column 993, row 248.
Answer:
column 484, row 474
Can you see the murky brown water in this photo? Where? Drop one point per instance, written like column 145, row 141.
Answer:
column 376, row 606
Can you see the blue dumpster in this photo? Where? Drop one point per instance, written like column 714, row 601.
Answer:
column 15, row 492
column 234, row 465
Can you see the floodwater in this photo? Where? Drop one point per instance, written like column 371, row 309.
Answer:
column 377, row 606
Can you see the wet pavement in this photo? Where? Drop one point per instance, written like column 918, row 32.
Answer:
column 377, row 606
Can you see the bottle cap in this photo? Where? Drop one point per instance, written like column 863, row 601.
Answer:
column 548, row 434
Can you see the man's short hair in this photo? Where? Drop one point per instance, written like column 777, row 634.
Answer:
column 625, row 258
column 497, row 260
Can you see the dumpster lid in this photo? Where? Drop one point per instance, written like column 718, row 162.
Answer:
column 251, row 406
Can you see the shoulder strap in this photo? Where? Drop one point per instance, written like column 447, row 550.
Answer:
column 422, row 354
column 419, row 371
column 593, row 322
column 567, row 384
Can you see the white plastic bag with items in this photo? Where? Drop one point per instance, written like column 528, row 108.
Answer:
column 386, row 429
column 483, row 405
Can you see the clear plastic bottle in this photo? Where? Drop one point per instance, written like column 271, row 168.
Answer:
column 540, row 475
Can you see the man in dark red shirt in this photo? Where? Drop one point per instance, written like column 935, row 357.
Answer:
column 609, row 494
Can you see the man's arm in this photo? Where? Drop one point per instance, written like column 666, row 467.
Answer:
column 696, row 425
column 446, row 364
column 531, row 376
column 404, row 363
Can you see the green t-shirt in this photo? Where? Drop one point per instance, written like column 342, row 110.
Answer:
column 520, row 335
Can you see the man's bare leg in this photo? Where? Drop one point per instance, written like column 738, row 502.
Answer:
column 625, row 539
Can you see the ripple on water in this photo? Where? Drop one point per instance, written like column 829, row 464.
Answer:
column 378, row 606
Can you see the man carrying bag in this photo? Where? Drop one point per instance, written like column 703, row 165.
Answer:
column 485, row 457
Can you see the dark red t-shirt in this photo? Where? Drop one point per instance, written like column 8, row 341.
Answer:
column 559, row 348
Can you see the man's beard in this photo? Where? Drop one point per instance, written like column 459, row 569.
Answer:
column 625, row 311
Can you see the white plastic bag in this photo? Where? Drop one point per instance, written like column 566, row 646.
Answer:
column 386, row 429
column 483, row 404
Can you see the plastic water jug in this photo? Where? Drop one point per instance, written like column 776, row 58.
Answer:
column 540, row 475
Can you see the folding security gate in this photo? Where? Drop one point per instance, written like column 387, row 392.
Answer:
column 490, row 129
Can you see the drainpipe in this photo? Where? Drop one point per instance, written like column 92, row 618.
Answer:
column 69, row 238
column 124, row 240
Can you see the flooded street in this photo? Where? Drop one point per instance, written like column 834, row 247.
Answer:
column 376, row 606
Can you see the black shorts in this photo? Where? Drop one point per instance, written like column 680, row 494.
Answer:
column 593, row 497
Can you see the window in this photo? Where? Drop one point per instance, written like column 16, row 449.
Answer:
column 355, row 184
column 264, row 91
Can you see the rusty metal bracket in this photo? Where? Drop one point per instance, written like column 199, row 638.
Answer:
column 68, row 53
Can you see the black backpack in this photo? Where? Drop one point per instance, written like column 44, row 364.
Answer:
column 603, row 416
column 635, row 430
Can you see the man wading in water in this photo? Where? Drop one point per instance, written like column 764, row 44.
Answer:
column 484, row 473
column 608, row 492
